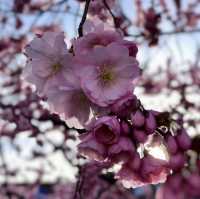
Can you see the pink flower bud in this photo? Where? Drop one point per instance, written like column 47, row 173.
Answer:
column 171, row 144
column 139, row 135
column 91, row 149
column 121, row 151
column 136, row 163
column 138, row 119
column 177, row 161
column 194, row 181
column 125, row 128
column 131, row 47
column 175, row 181
column 183, row 140
column 150, row 123
column 125, row 105
column 106, row 130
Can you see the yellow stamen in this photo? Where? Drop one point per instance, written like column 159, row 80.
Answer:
column 106, row 76
column 56, row 67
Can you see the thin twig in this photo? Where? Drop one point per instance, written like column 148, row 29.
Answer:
column 110, row 11
column 80, row 28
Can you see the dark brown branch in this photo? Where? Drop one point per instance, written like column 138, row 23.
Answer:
column 84, row 17
column 110, row 11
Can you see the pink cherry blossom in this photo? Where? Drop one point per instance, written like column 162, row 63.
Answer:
column 177, row 161
column 166, row 193
column 125, row 127
column 181, row 185
column 150, row 123
column 132, row 47
column 121, row 151
column 107, row 130
column 109, row 74
column 90, row 148
column 102, row 133
column 183, row 139
column 94, row 40
column 98, row 34
column 125, row 105
column 47, row 57
column 140, row 135
column 138, row 118
column 95, row 25
column 193, row 182
column 149, row 171
column 129, row 175
column 66, row 97
column 155, row 170
column 171, row 144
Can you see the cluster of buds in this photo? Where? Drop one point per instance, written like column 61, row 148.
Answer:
column 116, row 139
column 177, row 146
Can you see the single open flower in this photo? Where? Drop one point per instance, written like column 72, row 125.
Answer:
column 149, row 171
column 108, row 74
column 90, row 148
column 47, row 58
column 107, row 130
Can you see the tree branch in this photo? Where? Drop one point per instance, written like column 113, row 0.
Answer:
column 110, row 11
column 84, row 17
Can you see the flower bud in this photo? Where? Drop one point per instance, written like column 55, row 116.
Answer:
column 183, row 140
column 139, row 135
column 125, row 128
column 136, row 163
column 121, row 151
column 177, row 161
column 150, row 123
column 171, row 144
column 138, row 119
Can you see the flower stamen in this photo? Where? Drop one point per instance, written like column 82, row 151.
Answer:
column 56, row 67
column 106, row 76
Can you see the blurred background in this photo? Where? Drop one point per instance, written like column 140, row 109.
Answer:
column 38, row 155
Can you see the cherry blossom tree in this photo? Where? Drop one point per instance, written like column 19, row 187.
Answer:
column 117, row 82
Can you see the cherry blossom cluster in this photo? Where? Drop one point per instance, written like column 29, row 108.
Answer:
column 117, row 138
column 94, row 82
column 98, row 70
